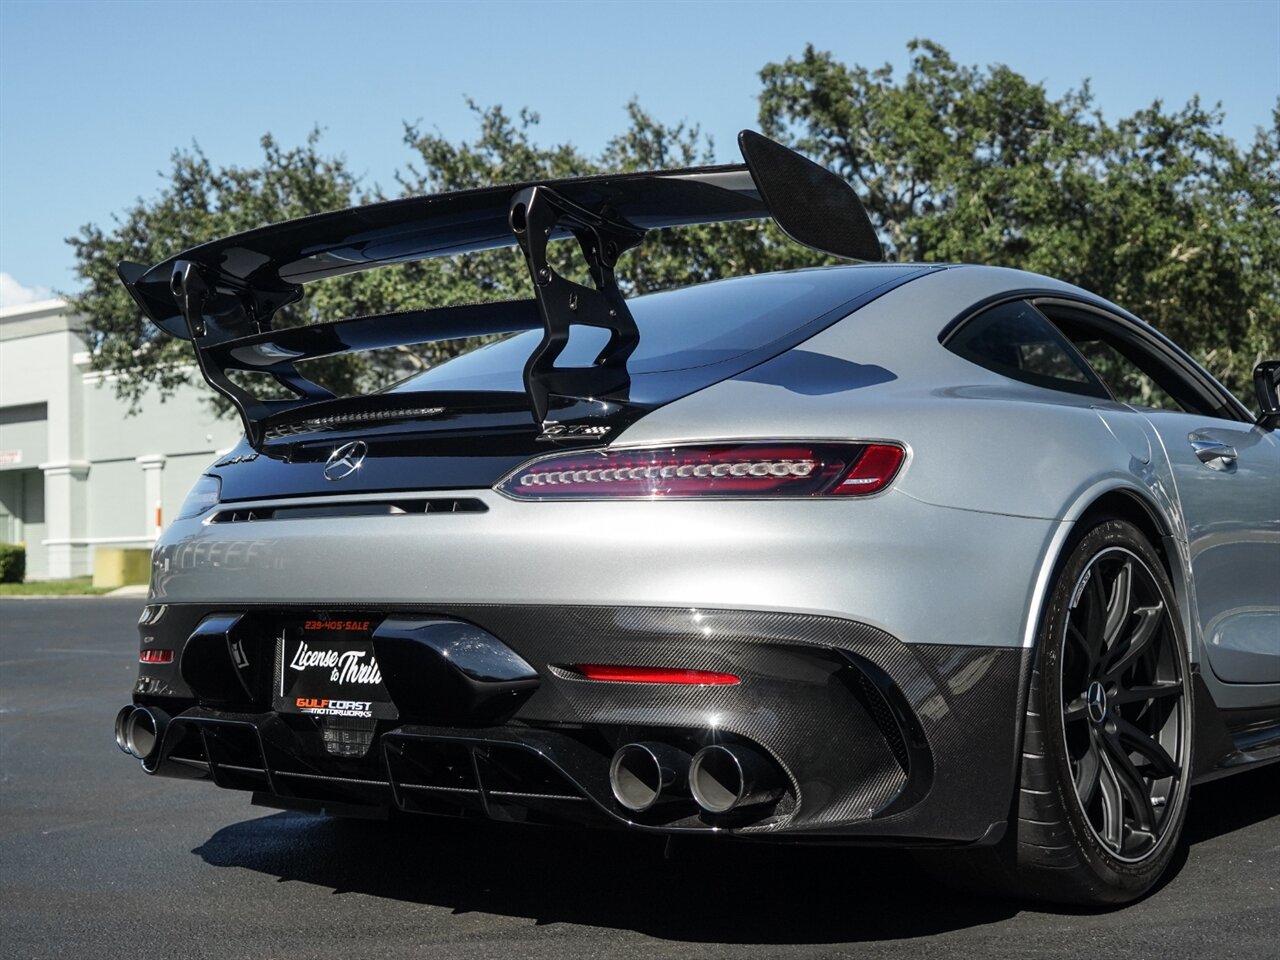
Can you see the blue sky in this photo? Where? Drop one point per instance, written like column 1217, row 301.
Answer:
column 94, row 96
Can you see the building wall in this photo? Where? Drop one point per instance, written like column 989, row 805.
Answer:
column 77, row 470
column 22, row 513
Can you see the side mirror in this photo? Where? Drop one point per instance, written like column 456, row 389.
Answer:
column 1266, row 385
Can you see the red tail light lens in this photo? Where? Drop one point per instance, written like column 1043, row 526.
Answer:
column 620, row 674
column 872, row 471
column 736, row 470
column 155, row 656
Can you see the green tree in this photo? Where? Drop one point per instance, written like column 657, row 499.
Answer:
column 199, row 201
column 1160, row 212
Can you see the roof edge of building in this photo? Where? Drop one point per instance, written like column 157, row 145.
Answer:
column 36, row 308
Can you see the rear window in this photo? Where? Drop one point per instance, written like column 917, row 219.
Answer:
column 679, row 329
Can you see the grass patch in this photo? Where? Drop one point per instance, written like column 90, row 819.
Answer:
column 75, row 587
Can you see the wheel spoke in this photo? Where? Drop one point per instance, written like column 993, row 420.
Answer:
column 1165, row 690
column 1076, row 710
column 1130, row 782
column 1112, row 807
column 1148, row 626
column 1077, row 637
column 1088, row 772
column 1096, row 609
column 1131, row 738
column 1095, row 604
column 1118, row 606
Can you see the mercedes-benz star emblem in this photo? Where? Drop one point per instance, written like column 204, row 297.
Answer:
column 345, row 461
column 1095, row 699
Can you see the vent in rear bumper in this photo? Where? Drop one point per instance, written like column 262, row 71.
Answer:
column 353, row 508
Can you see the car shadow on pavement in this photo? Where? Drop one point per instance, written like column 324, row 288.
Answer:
column 708, row 891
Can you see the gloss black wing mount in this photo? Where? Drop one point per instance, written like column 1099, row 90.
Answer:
column 538, row 213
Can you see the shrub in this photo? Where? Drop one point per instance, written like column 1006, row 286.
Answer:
column 13, row 562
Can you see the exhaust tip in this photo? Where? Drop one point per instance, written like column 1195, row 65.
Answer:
column 143, row 732
column 724, row 778
column 122, row 727
column 641, row 774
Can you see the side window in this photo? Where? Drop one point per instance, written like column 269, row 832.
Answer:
column 1014, row 339
column 1126, row 380
column 1134, row 371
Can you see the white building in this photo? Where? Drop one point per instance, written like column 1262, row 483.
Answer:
column 76, row 470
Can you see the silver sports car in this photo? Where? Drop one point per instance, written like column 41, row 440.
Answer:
column 951, row 557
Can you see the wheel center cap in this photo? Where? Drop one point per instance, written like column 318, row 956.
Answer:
column 1095, row 699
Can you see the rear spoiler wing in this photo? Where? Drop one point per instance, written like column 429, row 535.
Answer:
column 221, row 295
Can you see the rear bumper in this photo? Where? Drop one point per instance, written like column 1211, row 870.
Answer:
column 923, row 573
column 875, row 738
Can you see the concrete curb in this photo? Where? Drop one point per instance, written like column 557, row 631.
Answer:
column 52, row 596
column 133, row 590
column 136, row 592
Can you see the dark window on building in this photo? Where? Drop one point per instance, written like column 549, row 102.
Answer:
column 24, row 413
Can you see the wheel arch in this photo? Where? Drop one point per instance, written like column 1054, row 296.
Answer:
column 1108, row 497
column 1125, row 501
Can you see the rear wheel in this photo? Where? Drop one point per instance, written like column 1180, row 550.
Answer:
column 1106, row 754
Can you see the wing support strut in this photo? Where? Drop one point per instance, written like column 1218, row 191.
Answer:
column 538, row 213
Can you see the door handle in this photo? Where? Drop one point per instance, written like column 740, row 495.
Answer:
column 1211, row 451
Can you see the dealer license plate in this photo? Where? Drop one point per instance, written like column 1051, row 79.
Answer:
column 327, row 669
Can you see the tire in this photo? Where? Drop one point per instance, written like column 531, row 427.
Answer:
column 1107, row 745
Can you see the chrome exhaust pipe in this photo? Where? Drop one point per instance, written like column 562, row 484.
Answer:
column 144, row 732
column 723, row 778
column 641, row 774
column 122, row 726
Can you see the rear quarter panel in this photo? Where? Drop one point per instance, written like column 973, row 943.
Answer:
column 979, row 443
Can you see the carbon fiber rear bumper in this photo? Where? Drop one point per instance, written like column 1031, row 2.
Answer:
column 875, row 738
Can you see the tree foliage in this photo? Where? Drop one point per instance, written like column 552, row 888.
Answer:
column 199, row 201
column 1159, row 211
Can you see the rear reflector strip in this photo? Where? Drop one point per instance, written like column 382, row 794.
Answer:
column 155, row 656
column 622, row 674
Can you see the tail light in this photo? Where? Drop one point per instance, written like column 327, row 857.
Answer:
column 724, row 470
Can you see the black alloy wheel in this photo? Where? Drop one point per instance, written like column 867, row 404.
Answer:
column 1124, row 702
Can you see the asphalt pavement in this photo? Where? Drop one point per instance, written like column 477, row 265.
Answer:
column 97, row 860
